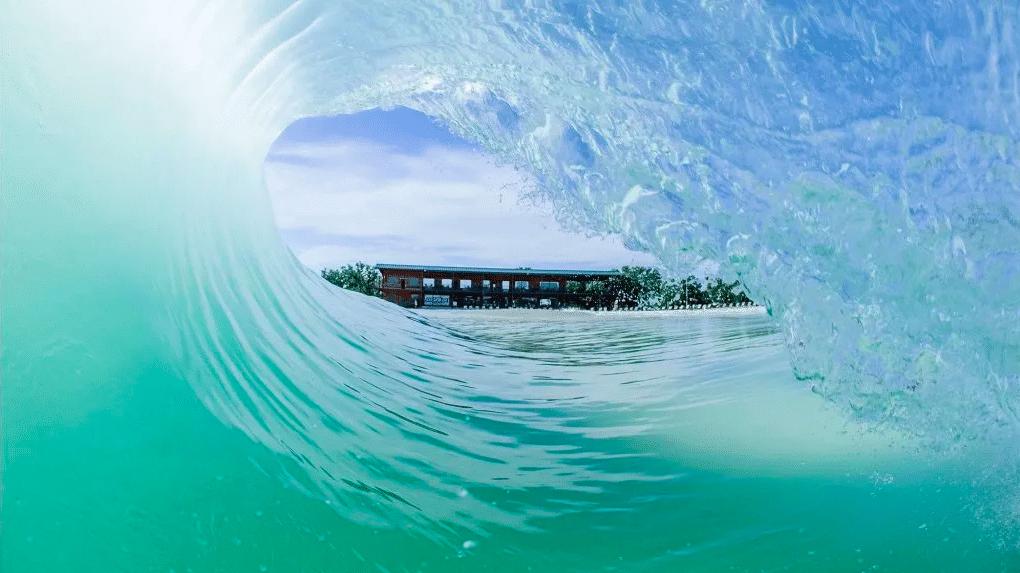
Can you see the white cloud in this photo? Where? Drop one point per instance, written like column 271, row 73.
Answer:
column 337, row 203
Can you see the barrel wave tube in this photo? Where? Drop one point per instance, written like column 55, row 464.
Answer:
column 180, row 394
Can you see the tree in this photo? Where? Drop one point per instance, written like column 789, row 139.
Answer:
column 716, row 291
column 692, row 291
column 594, row 294
column 639, row 286
column 359, row 277
column 645, row 287
column 672, row 293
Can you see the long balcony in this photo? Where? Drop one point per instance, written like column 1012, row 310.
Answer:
column 494, row 289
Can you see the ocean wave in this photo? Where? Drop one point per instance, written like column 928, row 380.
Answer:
column 854, row 165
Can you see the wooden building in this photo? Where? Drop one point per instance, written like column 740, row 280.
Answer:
column 432, row 286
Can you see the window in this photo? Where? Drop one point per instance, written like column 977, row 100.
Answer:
column 412, row 282
column 437, row 300
column 520, row 285
column 486, row 283
column 447, row 283
column 549, row 285
column 429, row 283
column 506, row 285
column 465, row 283
column 392, row 281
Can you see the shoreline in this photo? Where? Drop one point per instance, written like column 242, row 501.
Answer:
column 582, row 313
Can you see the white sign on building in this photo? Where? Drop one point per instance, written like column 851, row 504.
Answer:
column 437, row 300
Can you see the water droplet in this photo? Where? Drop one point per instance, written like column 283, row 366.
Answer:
column 219, row 478
column 258, row 513
column 469, row 544
column 462, row 493
column 262, row 567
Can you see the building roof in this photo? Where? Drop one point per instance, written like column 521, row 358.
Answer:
column 491, row 270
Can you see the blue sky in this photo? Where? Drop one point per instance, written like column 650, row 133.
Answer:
column 395, row 187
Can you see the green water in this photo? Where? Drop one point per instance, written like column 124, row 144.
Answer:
column 151, row 481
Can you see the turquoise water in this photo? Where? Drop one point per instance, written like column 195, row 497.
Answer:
column 178, row 392
column 566, row 442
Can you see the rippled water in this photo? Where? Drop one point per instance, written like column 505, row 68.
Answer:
column 575, row 441
column 179, row 392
